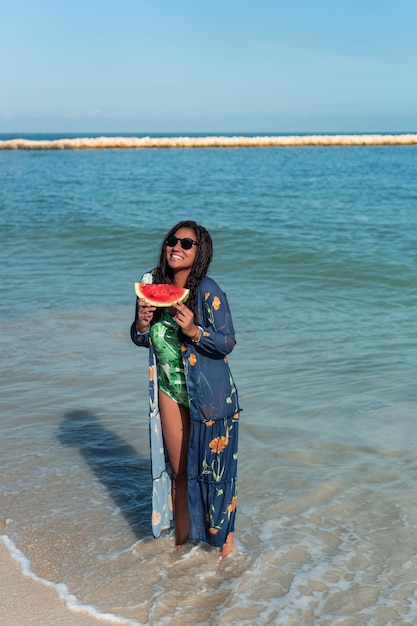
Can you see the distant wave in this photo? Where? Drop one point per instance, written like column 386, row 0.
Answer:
column 95, row 143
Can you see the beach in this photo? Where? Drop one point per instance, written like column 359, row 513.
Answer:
column 26, row 601
column 315, row 249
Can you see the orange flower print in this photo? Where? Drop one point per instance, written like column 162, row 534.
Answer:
column 216, row 303
column 209, row 423
column 206, row 295
column 206, row 334
column 236, row 416
column 213, row 531
column 192, row 359
column 156, row 518
column 232, row 505
column 151, row 372
column 218, row 444
column 183, row 348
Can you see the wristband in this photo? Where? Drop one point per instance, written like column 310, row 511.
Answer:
column 197, row 336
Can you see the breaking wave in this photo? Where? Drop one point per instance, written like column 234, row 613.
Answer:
column 95, row 143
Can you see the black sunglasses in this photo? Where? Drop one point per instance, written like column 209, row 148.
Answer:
column 186, row 242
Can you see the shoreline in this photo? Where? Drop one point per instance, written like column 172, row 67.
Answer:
column 25, row 599
column 279, row 141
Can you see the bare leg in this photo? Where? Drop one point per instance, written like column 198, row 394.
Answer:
column 175, row 421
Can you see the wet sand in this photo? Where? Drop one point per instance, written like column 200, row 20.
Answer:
column 24, row 600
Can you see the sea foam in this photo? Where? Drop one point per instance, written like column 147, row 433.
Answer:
column 71, row 602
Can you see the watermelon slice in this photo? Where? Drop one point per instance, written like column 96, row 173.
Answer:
column 161, row 295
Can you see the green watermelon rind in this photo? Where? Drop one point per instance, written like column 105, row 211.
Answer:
column 148, row 292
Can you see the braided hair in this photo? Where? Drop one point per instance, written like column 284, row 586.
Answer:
column 163, row 273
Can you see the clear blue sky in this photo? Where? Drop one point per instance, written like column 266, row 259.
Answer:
column 208, row 66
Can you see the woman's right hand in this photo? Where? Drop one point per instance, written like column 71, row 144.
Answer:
column 145, row 315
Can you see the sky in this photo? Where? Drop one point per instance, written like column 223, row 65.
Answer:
column 199, row 66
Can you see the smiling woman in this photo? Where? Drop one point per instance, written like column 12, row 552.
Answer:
column 181, row 251
column 326, row 507
column 194, row 407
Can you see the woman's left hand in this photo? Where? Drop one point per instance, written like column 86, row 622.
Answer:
column 185, row 319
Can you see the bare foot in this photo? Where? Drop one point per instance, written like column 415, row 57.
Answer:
column 227, row 546
column 179, row 545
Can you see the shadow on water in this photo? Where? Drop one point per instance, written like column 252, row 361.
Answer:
column 118, row 466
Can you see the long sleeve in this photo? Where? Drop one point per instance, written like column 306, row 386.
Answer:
column 140, row 339
column 213, row 315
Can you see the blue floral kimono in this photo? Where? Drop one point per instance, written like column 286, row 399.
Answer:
column 214, row 421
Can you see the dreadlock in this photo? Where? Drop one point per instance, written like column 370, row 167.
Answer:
column 163, row 273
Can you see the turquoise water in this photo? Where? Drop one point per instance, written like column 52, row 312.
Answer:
column 316, row 250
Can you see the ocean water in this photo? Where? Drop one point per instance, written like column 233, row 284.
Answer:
column 316, row 250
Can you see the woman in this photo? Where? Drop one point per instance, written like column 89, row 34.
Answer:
column 194, row 407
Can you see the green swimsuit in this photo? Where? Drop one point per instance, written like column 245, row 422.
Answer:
column 169, row 366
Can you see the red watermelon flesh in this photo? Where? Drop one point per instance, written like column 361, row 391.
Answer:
column 161, row 295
